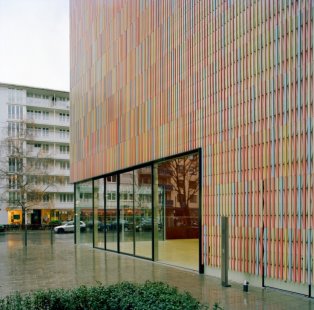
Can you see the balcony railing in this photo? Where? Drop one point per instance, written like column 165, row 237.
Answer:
column 53, row 121
column 51, row 136
column 48, row 103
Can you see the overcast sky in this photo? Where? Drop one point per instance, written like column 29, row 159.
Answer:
column 34, row 43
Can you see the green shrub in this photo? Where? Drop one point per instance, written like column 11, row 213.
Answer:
column 55, row 223
column 121, row 296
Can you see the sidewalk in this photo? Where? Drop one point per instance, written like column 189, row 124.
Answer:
column 42, row 266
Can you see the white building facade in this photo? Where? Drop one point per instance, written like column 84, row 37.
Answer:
column 45, row 113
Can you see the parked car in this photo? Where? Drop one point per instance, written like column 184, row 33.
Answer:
column 101, row 226
column 69, row 227
column 122, row 223
column 146, row 225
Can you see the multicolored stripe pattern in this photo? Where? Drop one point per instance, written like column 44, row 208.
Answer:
column 155, row 78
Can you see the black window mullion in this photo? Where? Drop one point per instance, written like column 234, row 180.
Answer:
column 75, row 214
column 153, row 210
column 134, row 226
column 118, row 212
column 93, row 210
column 105, row 213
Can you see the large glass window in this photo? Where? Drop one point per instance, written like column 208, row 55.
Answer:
column 126, row 220
column 99, row 213
column 84, row 212
column 150, row 212
column 143, row 212
column 111, row 214
column 177, row 211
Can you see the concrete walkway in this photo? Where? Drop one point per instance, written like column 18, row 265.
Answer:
column 42, row 266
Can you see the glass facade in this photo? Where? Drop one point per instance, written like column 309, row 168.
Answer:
column 99, row 213
column 138, row 212
column 111, row 213
column 84, row 212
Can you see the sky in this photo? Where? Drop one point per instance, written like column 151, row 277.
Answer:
column 34, row 43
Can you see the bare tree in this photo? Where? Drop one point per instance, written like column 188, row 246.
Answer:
column 183, row 175
column 23, row 172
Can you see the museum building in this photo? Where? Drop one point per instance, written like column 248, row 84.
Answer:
column 185, row 114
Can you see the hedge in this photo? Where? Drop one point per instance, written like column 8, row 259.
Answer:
column 121, row 296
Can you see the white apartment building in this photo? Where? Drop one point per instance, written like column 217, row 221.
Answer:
column 45, row 113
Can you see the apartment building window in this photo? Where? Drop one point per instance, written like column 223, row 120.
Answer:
column 31, row 179
column 64, row 133
column 45, row 164
column 64, row 149
column 14, row 197
column 64, row 165
column 112, row 178
column 30, row 163
column 41, row 132
column 13, row 184
column 111, row 196
column 14, row 129
column 45, row 115
column 45, row 147
column 30, row 113
column 15, row 164
column 64, row 180
column 66, row 198
column 37, row 114
column 45, row 132
column 46, row 197
column 15, row 95
column 15, row 111
column 15, row 146
column 64, row 117
column 39, row 146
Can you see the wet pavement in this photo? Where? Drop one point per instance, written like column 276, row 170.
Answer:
column 42, row 266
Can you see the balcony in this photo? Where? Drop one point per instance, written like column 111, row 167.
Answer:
column 47, row 103
column 64, row 205
column 32, row 153
column 38, row 102
column 59, row 188
column 63, row 156
column 50, row 137
column 50, row 121
column 61, row 172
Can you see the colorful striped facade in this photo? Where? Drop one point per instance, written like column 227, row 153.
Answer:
column 151, row 79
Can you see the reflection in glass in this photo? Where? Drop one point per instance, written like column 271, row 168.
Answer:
column 178, row 186
column 84, row 212
column 172, row 226
column 111, row 220
column 143, row 211
column 99, row 214
column 126, row 222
